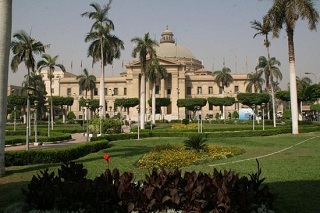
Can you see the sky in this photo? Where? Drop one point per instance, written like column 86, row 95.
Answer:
column 215, row 31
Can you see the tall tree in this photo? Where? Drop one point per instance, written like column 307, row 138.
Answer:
column 23, row 49
column 143, row 47
column 50, row 62
column 5, row 34
column 155, row 72
column 288, row 12
column 87, row 82
column 105, row 47
column 264, row 30
column 223, row 78
column 254, row 80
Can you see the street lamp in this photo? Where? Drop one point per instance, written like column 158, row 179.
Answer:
column 178, row 92
column 88, row 107
column 83, row 118
column 253, row 116
column 138, row 109
column 48, row 113
column 197, row 108
column 14, row 118
column 35, row 123
column 263, row 106
column 100, row 117
column 28, row 132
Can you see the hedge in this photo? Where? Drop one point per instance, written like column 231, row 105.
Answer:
column 53, row 138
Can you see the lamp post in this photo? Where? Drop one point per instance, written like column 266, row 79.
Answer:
column 100, row 120
column 138, row 109
column 83, row 118
column 87, row 118
column 253, row 116
column 35, row 123
column 262, row 106
column 29, row 93
column 178, row 92
column 48, row 114
column 14, row 118
column 197, row 108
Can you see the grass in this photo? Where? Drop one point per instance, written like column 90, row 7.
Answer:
column 293, row 174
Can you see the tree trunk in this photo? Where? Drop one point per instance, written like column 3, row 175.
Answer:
column 293, row 84
column 102, row 101
column 142, row 100
column 5, row 40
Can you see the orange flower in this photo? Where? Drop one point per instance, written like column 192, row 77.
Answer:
column 106, row 157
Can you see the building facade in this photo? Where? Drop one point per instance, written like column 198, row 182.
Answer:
column 187, row 78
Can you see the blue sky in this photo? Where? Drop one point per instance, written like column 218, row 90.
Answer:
column 213, row 30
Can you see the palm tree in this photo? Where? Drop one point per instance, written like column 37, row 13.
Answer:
column 144, row 47
column 155, row 72
column 104, row 47
column 223, row 78
column 287, row 12
column 271, row 70
column 5, row 34
column 24, row 48
column 264, row 30
column 303, row 83
column 254, row 80
column 50, row 62
column 87, row 82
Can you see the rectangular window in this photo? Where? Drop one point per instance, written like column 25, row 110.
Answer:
column 124, row 91
column 115, row 91
column 236, row 89
column 52, row 90
column 169, row 91
column 68, row 91
column 220, row 90
column 210, row 90
column 105, row 91
column 210, row 106
column 95, row 91
column 188, row 90
column 157, row 89
column 199, row 90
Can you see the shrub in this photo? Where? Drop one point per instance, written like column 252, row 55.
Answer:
column 71, row 116
column 111, row 192
column 196, row 142
column 185, row 121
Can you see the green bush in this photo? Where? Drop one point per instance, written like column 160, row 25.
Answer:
column 196, row 142
column 185, row 121
column 71, row 116
column 286, row 114
column 23, row 157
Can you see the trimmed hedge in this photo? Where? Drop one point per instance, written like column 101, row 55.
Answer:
column 53, row 138
column 39, row 156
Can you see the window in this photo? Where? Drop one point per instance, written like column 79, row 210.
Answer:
column 115, row 91
column 68, row 91
column 105, row 91
column 210, row 106
column 199, row 90
column 52, row 90
column 157, row 89
column 169, row 91
column 124, row 91
column 95, row 92
column 210, row 90
column 236, row 89
column 220, row 90
column 188, row 90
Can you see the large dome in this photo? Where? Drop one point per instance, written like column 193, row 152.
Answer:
column 172, row 50
column 169, row 48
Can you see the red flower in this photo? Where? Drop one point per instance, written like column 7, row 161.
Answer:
column 106, row 157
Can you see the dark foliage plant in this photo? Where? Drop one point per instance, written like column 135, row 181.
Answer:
column 161, row 190
column 196, row 142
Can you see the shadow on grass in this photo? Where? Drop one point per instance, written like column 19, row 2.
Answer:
column 11, row 193
column 296, row 196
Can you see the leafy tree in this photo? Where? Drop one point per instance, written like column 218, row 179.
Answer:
column 253, row 98
column 288, row 12
column 143, row 47
column 127, row 103
column 50, row 62
column 105, row 47
column 192, row 103
column 160, row 102
column 216, row 101
column 155, row 72
column 312, row 92
column 87, row 82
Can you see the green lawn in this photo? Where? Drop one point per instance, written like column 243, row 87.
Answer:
column 292, row 174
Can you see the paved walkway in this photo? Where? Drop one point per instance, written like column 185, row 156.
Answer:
column 76, row 138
